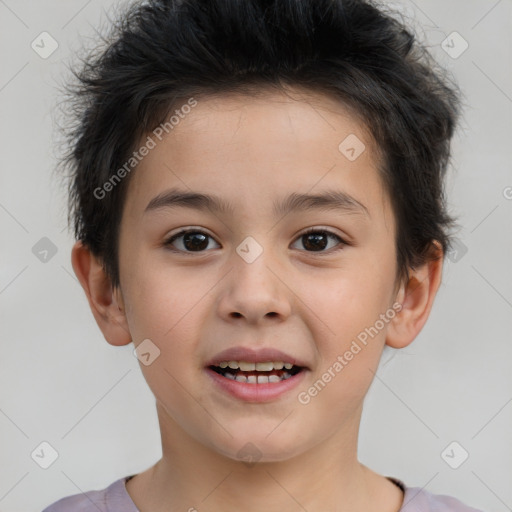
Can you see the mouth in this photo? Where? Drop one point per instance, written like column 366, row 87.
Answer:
column 245, row 372
column 258, row 382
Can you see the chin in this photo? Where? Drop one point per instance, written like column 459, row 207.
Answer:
column 259, row 448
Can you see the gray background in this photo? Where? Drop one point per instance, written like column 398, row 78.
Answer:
column 61, row 383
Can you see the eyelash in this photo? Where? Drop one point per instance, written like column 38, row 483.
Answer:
column 330, row 234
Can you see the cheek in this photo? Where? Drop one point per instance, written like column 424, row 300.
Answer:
column 163, row 300
column 352, row 329
column 166, row 307
column 351, row 298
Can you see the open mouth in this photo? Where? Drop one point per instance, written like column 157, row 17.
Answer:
column 256, row 373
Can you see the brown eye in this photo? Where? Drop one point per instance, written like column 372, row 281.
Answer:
column 316, row 240
column 192, row 241
column 313, row 240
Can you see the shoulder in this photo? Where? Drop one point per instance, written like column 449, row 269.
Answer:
column 112, row 498
column 419, row 500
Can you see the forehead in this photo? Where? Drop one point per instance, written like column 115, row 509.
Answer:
column 296, row 113
column 255, row 146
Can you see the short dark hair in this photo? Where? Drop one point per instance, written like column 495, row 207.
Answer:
column 160, row 52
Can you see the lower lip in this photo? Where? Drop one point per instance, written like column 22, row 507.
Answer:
column 256, row 392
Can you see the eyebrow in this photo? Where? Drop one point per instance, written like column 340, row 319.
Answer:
column 323, row 201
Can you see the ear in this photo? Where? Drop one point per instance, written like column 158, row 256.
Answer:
column 417, row 297
column 106, row 303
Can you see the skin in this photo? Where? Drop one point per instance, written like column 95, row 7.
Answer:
column 253, row 151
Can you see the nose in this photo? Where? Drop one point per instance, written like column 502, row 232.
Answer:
column 255, row 292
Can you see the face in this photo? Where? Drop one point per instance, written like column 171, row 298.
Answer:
column 249, row 279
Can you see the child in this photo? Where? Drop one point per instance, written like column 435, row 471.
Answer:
column 257, row 195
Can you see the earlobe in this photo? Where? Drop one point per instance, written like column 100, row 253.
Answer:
column 417, row 297
column 105, row 302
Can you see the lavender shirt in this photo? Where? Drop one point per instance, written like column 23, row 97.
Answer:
column 115, row 498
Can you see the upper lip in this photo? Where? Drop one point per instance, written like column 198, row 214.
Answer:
column 254, row 356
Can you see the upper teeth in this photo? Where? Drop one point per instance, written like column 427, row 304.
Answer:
column 263, row 367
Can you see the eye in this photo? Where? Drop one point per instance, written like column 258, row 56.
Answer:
column 317, row 239
column 193, row 240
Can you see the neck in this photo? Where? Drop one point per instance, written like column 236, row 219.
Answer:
column 192, row 477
